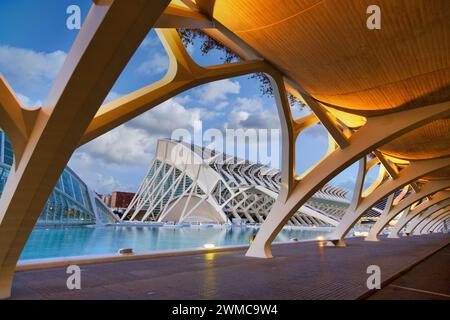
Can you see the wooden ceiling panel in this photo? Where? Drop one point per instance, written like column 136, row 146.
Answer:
column 326, row 47
column 429, row 141
column 439, row 175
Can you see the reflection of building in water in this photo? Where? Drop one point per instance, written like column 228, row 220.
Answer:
column 215, row 187
column 71, row 201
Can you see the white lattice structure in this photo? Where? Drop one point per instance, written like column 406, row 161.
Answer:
column 186, row 183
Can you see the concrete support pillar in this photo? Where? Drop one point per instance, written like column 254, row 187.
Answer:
column 377, row 131
column 418, row 225
column 89, row 71
column 433, row 224
column 375, row 230
column 403, row 204
column 437, row 198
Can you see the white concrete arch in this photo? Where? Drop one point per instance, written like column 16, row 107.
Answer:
column 440, row 225
column 91, row 68
column 401, row 223
column 408, row 175
column 416, row 226
column 393, row 211
column 305, row 209
column 73, row 115
column 377, row 131
column 431, row 227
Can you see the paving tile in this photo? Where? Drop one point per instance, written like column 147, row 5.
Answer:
column 298, row 271
column 429, row 280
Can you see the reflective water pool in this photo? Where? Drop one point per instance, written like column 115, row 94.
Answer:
column 86, row 240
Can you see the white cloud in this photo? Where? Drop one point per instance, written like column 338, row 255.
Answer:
column 156, row 64
column 250, row 113
column 150, row 41
column 106, row 184
column 347, row 183
column 218, row 90
column 112, row 95
column 190, row 49
column 123, row 145
column 133, row 142
column 236, row 117
column 27, row 102
column 27, row 67
column 127, row 150
column 183, row 99
column 98, row 175
column 254, row 104
column 168, row 116
column 221, row 105
column 258, row 120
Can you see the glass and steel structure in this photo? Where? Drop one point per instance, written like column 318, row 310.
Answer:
column 70, row 203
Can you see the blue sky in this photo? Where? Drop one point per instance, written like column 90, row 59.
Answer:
column 33, row 44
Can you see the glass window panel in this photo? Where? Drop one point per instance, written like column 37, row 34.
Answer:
column 67, row 184
column 76, row 188
column 8, row 153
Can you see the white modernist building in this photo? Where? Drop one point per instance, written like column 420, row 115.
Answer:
column 187, row 183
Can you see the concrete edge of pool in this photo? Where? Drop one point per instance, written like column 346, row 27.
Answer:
column 34, row 264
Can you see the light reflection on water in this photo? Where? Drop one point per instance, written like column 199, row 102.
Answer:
column 86, row 240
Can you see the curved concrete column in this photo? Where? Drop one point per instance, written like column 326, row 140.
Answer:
column 393, row 211
column 111, row 33
column 437, row 198
column 408, row 175
column 416, row 226
column 377, row 131
column 375, row 230
column 433, row 224
column 183, row 74
column 395, row 235
column 16, row 121
column 437, row 227
column 440, row 226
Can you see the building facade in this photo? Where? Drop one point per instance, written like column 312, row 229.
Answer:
column 187, row 183
column 70, row 203
column 121, row 200
column 106, row 198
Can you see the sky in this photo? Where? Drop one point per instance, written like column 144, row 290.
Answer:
column 34, row 42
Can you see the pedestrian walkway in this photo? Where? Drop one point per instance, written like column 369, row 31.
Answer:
column 307, row 270
column 429, row 280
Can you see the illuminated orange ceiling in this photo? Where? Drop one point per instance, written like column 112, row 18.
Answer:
column 326, row 48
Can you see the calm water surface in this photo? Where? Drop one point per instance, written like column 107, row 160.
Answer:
column 75, row 241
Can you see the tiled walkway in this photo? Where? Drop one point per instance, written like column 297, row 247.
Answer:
column 428, row 280
column 298, row 271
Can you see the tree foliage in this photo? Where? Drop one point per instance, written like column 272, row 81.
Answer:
column 188, row 36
